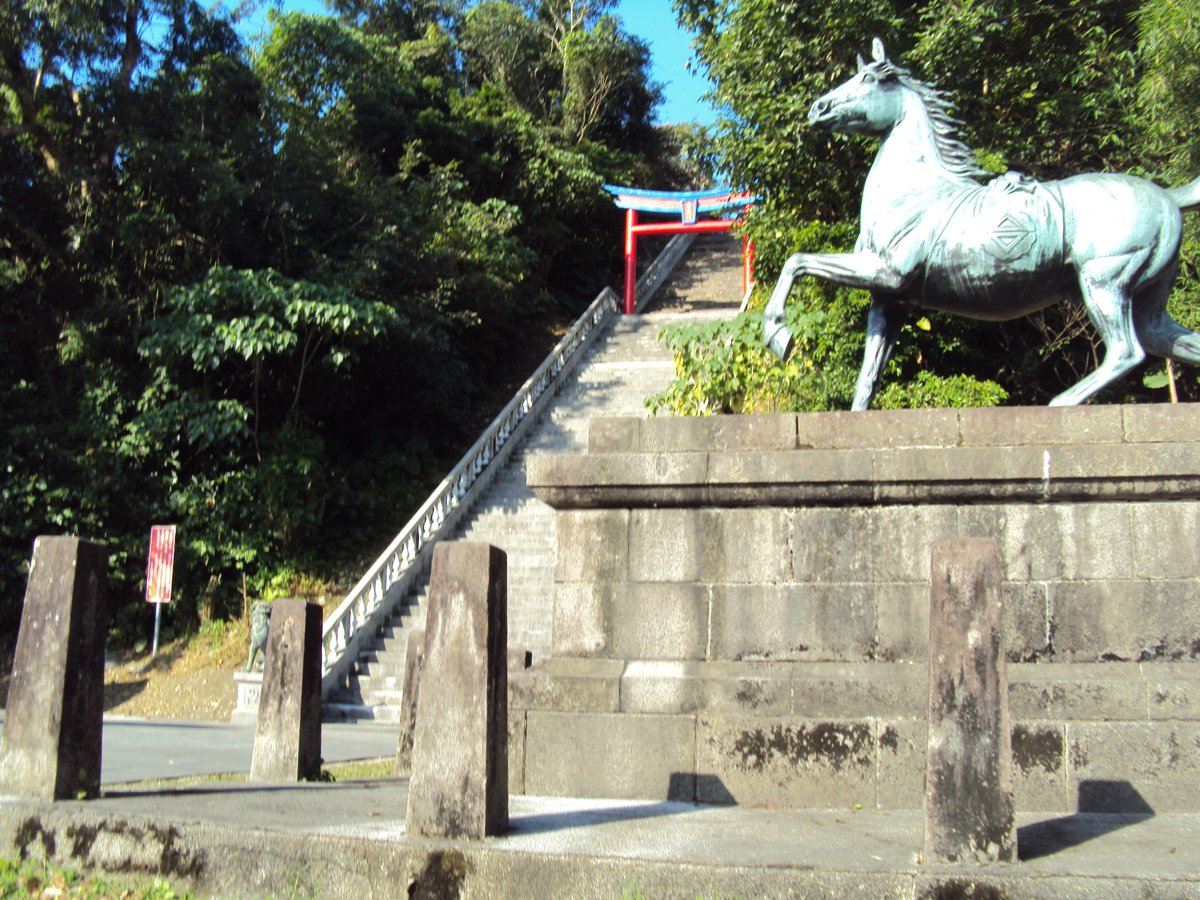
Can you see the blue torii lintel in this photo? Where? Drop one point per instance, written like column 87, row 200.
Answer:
column 688, row 205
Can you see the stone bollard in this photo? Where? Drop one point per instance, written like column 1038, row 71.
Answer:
column 52, row 729
column 287, row 739
column 459, row 782
column 969, row 813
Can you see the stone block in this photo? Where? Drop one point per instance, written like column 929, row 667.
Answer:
column 287, row 738
column 1040, row 766
column 902, row 623
column 745, row 546
column 1014, row 528
column 980, row 470
column 51, row 746
column 1027, row 621
column 1165, row 543
column 623, row 756
column 414, row 662
column 1076, row 691
column 1117, row 469
column 1173, row 690
column 660, row 687
column 569, row 685
column 792, row 622
column 901, row 744
column 1094, row 541
column 459, row 783
column 860, row 690
column 1040, row 426
column 593, row 545
column 879, row 429
column 792, row 477
column 969, row 811
column 615, row 434
column 664, row 545
column 660, row 621
column 1029, row 546
column 834, row 545
column 1161, row 422
column 582, row 618
column 809, row 763
column 683, row 434
column 746, row 689
column 1125, row 620
column 900, row 538
column 1133, row 767
column 605, row 479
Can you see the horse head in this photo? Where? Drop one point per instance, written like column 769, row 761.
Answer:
column 869, row 103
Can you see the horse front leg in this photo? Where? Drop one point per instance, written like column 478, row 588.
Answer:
column 855, row 270
column 776, row 335
column 883, row 327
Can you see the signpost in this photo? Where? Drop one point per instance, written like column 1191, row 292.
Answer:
column 158, row 573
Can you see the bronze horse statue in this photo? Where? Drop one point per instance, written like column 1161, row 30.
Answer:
column 933, row 235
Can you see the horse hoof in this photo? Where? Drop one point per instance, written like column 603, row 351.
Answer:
column 778, row 339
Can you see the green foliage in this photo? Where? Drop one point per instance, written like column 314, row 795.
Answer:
column 266, row 293
column 724, row 368
column 27, row 878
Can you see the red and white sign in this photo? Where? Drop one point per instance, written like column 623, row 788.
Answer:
column 162, row 562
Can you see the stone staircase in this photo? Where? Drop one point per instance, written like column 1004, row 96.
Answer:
column 625, row 365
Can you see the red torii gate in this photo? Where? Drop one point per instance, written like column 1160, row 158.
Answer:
column 688, row 205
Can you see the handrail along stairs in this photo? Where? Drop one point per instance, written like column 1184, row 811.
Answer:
column 390, row 578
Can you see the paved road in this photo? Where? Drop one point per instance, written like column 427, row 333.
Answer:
column 142, row 749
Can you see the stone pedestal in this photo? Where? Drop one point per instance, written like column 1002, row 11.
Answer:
column 969, row 814
column 287, row 741
column 249, row 691
column 459, row 784
column 52, row 729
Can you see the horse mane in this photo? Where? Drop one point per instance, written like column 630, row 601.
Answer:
column 957, row 156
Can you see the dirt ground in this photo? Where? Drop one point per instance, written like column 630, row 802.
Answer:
column 191, row 678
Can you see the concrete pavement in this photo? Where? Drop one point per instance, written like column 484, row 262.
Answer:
column 149, row 750
column 348, row 840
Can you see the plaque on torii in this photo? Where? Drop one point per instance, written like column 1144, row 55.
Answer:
column 688, row 206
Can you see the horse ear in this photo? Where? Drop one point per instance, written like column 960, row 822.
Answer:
column 862, row 63
column 877, row 51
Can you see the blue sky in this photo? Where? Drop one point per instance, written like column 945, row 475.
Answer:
column 654, row 22
column 670, row 48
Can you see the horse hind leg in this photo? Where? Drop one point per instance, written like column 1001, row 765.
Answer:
column 1109, row 307
column 1158, row 332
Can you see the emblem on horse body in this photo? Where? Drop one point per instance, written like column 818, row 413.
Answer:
column 933, row 235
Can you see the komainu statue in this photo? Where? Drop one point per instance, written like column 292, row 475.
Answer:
column 933, row 235
column 260, row 620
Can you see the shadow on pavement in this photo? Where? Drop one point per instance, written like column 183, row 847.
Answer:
column 1104, row 807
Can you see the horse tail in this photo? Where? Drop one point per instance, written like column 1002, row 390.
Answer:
column 1187, row 197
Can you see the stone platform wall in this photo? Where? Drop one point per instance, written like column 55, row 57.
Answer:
column 741, row 609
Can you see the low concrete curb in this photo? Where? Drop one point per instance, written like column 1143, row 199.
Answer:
column 348, row 840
